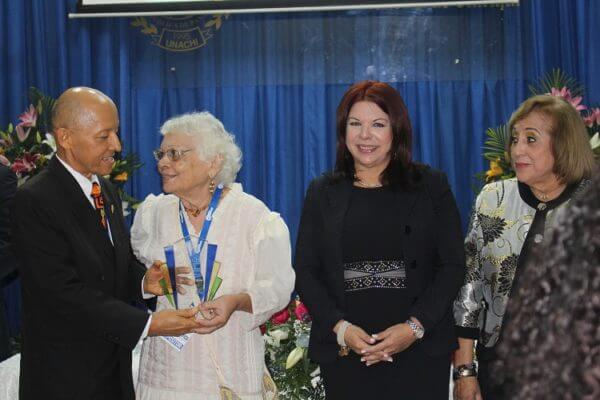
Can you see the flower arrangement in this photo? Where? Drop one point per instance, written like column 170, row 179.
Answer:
column 558, row 84
column 27, row 147
column 286, row 341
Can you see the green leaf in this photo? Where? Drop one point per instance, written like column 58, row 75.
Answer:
column 558, row 79
column 44, row 106
column 495, row 145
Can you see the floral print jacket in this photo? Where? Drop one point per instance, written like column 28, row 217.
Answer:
column 501, row 219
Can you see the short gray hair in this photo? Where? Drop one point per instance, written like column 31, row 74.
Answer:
column 214, row 140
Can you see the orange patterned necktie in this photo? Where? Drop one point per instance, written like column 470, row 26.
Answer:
column 99, row 203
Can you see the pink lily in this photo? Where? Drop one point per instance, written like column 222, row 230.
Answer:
column 25, row 164
column 593, row 117
column 29, row 117
column 565, row 94
column 22, row 134
column 4, row 160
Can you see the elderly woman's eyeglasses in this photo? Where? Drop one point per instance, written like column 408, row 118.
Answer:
column 172, row 154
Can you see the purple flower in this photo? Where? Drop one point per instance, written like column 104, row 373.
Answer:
column 28, row 120
column 4, row 161
column 565, row 94
column 29, row 117
column 25, row 164
column 22, row 134
column 593, row 118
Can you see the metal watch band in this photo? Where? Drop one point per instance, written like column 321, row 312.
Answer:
column 463, row 371
column 417, row 330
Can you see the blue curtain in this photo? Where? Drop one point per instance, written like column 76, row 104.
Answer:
column 275, row 80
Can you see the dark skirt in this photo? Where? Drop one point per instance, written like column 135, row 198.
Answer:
column 491, row 388
column 413, row 375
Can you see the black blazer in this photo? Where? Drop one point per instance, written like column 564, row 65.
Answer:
column 78, row 329
column 8, row 187
column 431, row 243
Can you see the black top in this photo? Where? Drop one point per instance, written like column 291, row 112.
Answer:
column 374, row 267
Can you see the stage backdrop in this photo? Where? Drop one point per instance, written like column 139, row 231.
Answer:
column 275, row 79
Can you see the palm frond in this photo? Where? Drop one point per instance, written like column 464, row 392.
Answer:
column 558, row 79
column 494, row 147
column 44, row 105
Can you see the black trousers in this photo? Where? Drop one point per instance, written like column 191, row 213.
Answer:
column 491, row 388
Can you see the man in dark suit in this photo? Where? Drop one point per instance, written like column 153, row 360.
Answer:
column 77, row 269
column 8, row 186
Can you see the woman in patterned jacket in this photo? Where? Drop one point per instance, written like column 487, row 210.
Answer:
column 550, row 153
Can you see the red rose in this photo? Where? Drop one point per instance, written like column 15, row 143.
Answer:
column 263, row 329
column 302, row 312
column 280, row 317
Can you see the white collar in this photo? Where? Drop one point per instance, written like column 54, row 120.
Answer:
column 84, row 183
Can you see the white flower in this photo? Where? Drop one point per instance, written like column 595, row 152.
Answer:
column 316, row 372
column 595, row 141
column 125, row 206
column 295, row 355
column 275, row 337
column 279, row 334
column 50, row 142
column 315, row 381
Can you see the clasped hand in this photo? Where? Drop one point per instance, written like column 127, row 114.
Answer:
column 380, row 346
column 203, row 319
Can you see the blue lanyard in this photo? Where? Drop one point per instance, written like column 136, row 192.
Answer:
column 194, row 253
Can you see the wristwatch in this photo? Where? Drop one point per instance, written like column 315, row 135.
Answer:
column 463, row 371
column 417, row 330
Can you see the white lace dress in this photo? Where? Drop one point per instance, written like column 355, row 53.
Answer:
column 255, row 257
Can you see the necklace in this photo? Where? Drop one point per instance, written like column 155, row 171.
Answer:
column 545, row 196
column 367, row 185
column 194, row 212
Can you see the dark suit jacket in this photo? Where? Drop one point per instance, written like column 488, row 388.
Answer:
column 431, row 243
column 8, row 186
column 78, row 330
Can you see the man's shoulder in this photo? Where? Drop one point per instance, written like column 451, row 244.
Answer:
column 4, row 171
column 43, row 188
column 42, row 181
column 7, row 176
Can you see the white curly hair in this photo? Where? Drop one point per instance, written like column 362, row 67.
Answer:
column 214, row 140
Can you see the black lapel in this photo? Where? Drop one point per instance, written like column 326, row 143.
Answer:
column 117, row 228
column 84, row 213
column 338, row 198
column 405, row 203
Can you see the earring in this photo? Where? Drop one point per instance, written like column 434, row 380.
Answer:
column 211, row 186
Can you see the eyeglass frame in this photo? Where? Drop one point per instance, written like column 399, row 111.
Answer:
column 172, row 154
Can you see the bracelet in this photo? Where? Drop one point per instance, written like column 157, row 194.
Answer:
column 465, row 370
column 341, row 332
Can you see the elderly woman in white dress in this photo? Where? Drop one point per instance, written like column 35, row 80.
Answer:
column 198, row 162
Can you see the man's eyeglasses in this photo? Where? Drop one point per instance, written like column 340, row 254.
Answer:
column 172, row 154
